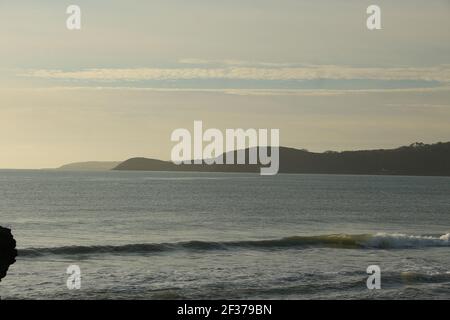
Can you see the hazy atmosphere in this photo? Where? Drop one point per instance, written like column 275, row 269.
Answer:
column 210, row 152
column 137, row 70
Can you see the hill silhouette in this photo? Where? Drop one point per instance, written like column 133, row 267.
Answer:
column 415, row 159
column 90, row 166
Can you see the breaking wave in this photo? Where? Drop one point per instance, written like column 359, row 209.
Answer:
column 340, row 241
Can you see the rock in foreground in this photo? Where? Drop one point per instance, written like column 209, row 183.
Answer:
column 8, row 251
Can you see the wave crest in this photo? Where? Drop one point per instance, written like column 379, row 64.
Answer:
column 340, row 241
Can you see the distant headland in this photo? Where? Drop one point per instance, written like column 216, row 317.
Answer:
column 416, row 159
column 90, row 166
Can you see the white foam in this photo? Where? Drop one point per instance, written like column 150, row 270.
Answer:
column 445, row 237
column 399, row 240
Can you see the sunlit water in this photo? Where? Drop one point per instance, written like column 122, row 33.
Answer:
column 144, row 235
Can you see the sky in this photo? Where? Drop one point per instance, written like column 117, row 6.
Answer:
column 137, row 70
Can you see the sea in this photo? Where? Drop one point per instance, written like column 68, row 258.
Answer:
column 185, row 235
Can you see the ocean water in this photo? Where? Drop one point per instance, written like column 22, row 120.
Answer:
column 160, row 235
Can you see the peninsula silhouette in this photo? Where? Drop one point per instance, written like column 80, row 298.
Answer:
column 416, row 159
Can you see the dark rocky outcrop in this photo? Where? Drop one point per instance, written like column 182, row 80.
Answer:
column 8, row 251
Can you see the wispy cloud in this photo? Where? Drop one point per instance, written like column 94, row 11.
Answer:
column 239, row 92
column 263, row 73
column 235, row 63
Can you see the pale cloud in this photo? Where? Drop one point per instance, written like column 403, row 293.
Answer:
column 238, row 92
column 333, row 72
column 232, row 62
column 322, row 93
